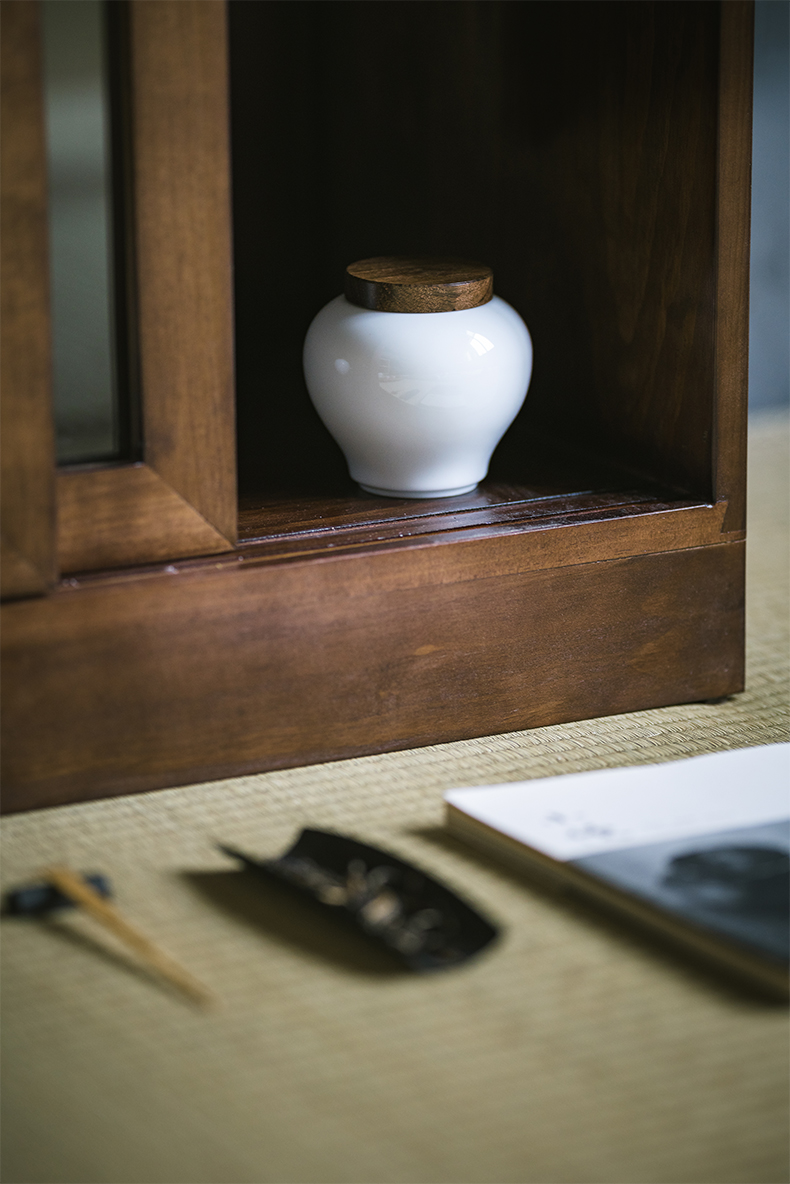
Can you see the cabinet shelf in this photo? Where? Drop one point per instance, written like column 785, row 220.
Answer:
column 565, row 485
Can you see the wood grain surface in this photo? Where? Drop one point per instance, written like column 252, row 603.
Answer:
column 491, row 505
column 119, row 687
column 551, row 535
column 125, row 515
column 183, row 500
column 182, row 203
column 564, row 533
column 27, row 435
column 401, row 284
column 553, row 471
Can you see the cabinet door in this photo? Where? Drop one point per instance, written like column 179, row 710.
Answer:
column 28, row 468
column 180, row 498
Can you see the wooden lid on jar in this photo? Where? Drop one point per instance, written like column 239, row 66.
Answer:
column 392, row 283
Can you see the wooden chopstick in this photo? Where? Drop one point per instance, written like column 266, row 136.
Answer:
column 81, row 893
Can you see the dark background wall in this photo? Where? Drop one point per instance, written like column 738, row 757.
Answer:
column 769, row 368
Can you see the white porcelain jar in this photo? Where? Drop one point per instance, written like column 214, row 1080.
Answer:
column 417, row 372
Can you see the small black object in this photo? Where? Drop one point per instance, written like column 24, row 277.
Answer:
column 36, row 899
column 426, row 926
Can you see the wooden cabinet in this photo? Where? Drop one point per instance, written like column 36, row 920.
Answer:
column 597, row 156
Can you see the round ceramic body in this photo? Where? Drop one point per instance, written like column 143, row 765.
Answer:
column 417, row 401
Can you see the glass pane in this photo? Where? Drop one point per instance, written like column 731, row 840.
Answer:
column 80, row 227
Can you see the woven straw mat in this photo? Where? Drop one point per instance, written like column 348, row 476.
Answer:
column 574, row 1051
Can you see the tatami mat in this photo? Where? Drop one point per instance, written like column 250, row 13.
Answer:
column 575, row 1051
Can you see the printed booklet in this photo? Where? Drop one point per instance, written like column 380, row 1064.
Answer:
column 698, row 849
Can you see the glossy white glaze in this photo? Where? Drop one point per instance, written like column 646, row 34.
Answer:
column 417, row 401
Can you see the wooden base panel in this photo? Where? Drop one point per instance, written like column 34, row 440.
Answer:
column 119, row 687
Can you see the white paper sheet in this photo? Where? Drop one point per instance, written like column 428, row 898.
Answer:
column 582, row 814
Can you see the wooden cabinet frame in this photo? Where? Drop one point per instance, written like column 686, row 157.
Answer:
column 181, row 499
column 171, row 653
column 28, row 470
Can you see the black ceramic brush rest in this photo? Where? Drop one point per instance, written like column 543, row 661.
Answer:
column 426, row 925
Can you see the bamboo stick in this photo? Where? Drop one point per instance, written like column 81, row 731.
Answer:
column 81, row 893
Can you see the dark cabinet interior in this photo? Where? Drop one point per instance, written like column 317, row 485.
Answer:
column 571, row 146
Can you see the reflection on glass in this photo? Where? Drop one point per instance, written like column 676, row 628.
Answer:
column 80, row 212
